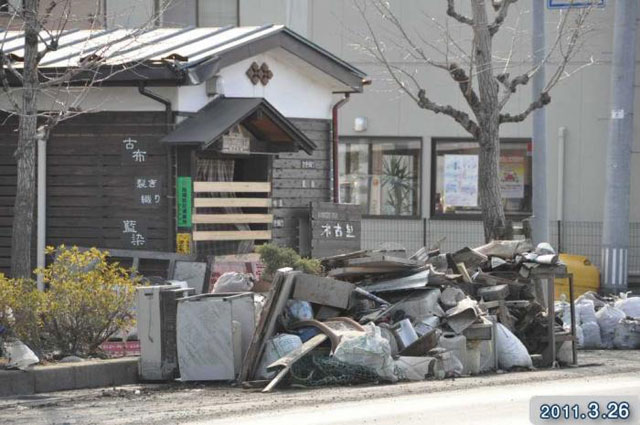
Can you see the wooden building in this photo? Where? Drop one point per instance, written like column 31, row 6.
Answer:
column 215, row 139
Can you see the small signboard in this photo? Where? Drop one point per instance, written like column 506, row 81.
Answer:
column 335, row 228
column 148, row 191
column 567, row 4
column 183, row 195
column 235, row 144
column 183, row 243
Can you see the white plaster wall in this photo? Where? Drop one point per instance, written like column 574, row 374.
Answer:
column 296, row 90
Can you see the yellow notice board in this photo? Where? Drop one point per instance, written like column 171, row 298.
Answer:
column 183, row 243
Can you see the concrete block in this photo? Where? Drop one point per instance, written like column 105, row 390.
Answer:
column 54, row 378
column 16, row 382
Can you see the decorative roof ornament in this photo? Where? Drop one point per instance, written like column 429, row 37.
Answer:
column 259, row 73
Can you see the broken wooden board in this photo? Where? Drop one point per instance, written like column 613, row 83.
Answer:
column 350, row 272
column 276, row 301
column 413, row 281
column 322, row 290
column 471, row 258
column 287, row 361
column 382, row 260
column 479, row 331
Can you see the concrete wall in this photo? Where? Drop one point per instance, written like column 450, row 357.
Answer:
column 580, row 102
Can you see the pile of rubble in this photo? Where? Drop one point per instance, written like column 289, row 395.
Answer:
column 379, row 316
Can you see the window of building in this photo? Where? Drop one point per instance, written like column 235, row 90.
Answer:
column 381, row 175
column 4, row 6
column 455, row 181
column 217, row 13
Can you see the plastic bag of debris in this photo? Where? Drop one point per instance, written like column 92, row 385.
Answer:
column 630, row 305
column 591, row 337
column 585, row 313
column 413, row 368
column 20, row 356
column 608, row 317
column 627, row 334
column 296, row 311
column 447, row 365
column 276, row 348
column 369, row 349
column 233, row 282
column 511, row 351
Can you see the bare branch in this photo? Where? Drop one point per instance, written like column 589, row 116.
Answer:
column 460, row 117
column 451, row 11
column 503, row 10
column 540, row 102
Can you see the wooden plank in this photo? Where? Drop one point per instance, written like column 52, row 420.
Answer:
column 287, row 361
column 322, row 290
column 226, row 187
column 231, row 218
column 239, row 235
column 232, row 202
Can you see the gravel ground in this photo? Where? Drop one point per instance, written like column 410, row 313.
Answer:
column 184, row 403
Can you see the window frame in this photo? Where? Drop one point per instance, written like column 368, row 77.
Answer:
column 352, row 139
column 433, row 215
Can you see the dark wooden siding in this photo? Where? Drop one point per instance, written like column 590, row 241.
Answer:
column 8, row 141
column 298, row 179
column 91, row 190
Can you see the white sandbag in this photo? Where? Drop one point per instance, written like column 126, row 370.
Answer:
column 368, row 349
column 276, row 348
column 233, row 282
column 585, row 313
column 447, row 365
column 511, row 351
column 413, row 368
column 591, row 337
column 627, row 335
column 630, row 305
column 608, row 317
column 20, row 356
column 590, row 295
column 565, row 353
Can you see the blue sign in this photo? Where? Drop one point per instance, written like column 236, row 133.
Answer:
column 566, row 4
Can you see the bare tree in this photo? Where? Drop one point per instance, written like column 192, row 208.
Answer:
column 481, row 74
column 26, row 86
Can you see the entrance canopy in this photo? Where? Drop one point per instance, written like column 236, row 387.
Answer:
column 269, row 130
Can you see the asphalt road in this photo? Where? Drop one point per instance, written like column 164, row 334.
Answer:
column 506, row 405
column 495, row 399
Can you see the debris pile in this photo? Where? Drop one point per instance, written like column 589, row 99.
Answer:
column 380, row 316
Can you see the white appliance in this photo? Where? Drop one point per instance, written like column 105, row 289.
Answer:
column 213, row 334
column 156, row 319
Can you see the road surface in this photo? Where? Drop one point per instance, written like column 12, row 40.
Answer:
column 506, row 405
column 494, row 398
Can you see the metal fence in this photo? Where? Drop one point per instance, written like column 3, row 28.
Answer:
column 577, row 237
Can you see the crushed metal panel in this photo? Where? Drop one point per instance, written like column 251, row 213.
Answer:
column 324, row 291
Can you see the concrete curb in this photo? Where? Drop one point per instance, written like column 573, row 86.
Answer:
column 69, row 376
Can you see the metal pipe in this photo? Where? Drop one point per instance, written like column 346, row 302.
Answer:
column 615, row 226
column 42, row 209
column 335, row 139
column 171, row 228
column 540, row 199
column 562, row 132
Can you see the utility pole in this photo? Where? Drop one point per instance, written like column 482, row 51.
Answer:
column 540, row 228
column 615, row 231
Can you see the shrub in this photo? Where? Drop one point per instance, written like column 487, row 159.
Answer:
column 275, row 257
column 21, row 310
column 88, row 300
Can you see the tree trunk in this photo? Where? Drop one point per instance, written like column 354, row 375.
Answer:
column 493, row 217
column 488, row 119
column 24, row 206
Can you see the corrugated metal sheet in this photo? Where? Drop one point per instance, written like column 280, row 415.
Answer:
column 184, row 46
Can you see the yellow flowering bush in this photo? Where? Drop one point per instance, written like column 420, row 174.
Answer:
column 21, row 309
column 88, row 299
